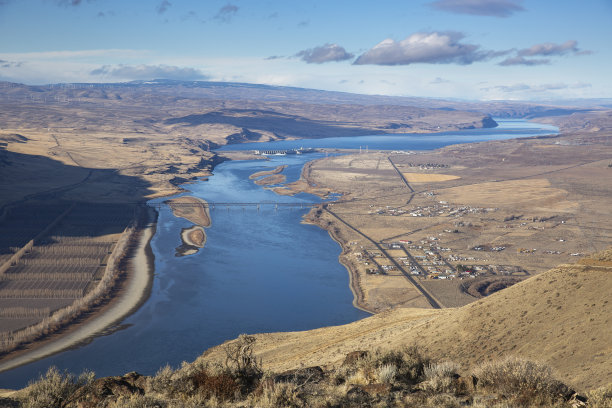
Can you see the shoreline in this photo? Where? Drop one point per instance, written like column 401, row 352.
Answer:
column 358, row 295
column 314, row 219
column 131, row 293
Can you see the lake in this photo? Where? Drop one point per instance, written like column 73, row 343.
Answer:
column 507, row 129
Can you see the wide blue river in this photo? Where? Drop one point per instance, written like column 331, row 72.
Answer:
column 261, row 270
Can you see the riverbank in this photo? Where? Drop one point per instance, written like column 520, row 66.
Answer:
column 126, row 296
column 377, row 285
column 315, row 217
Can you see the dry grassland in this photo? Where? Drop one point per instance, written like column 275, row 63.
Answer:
column 428, row 177
column 512, row 193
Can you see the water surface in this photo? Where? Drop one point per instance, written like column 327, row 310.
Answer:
column 507, row 129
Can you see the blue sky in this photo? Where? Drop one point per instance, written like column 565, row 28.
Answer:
column 469, row 49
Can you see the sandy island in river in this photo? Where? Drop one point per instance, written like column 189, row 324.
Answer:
column 277, row 170
column 269, row 180
column 269, row 177
column 194, row 236
column 195, row 210
column 192, row 209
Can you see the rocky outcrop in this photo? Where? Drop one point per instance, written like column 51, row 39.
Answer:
column 108, row 388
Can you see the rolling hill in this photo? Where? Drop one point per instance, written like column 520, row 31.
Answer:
column 561, row 318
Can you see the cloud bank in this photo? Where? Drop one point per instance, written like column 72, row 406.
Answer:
column 130, row 72
column 521, row 87
column 324, row 53
column 547, row 49
column 10, row 64
column 432, row 48
column 492, row 8
column 518, row 60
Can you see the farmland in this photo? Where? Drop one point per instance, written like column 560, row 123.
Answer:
column 65, row 254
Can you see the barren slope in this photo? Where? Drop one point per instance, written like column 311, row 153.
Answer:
column 561, row 317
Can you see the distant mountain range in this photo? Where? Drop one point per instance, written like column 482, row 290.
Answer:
column 259, row 92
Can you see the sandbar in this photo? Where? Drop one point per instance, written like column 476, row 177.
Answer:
column 269, row 180
column 193, row 209
column 194, row 236
column 277, row 170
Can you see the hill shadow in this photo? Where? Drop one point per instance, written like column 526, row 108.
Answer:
column 102, row 200
column 60, row 226
column 278, row 123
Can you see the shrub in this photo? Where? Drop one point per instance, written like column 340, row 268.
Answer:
column 600, row 397
column 54, row 388
column 441, row 377
column 413, row 364
column 521, row 381
column 221, row 386
column 443, row 401
column 162, row 382
column 138, row 401
column 285, row 395
column 404, row 366
column 239, row 357
column 386, row 373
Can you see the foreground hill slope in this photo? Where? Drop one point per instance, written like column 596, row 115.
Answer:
column 561, row 317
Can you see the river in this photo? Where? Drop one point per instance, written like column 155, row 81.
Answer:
column 261, row 270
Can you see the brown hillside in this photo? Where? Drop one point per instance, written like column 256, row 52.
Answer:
column 561, row 317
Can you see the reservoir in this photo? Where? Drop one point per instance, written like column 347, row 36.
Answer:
column 261, row 269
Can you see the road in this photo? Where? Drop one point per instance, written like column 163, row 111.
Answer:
column 430, row 298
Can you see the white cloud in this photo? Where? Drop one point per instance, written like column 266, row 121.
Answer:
column 324, row 53
column 431, row 48
column 518, row 60
column 556, row 86
column 142, row 71
column 546, row 49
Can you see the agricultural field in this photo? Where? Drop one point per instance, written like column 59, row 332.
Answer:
column 58, row 258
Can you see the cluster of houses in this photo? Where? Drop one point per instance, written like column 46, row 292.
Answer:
column 428, row 259
column 388, row 210
column 427, row 166
column 442, row 208
column 489, row 248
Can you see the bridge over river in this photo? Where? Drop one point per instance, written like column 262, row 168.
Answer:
column 257, row 205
